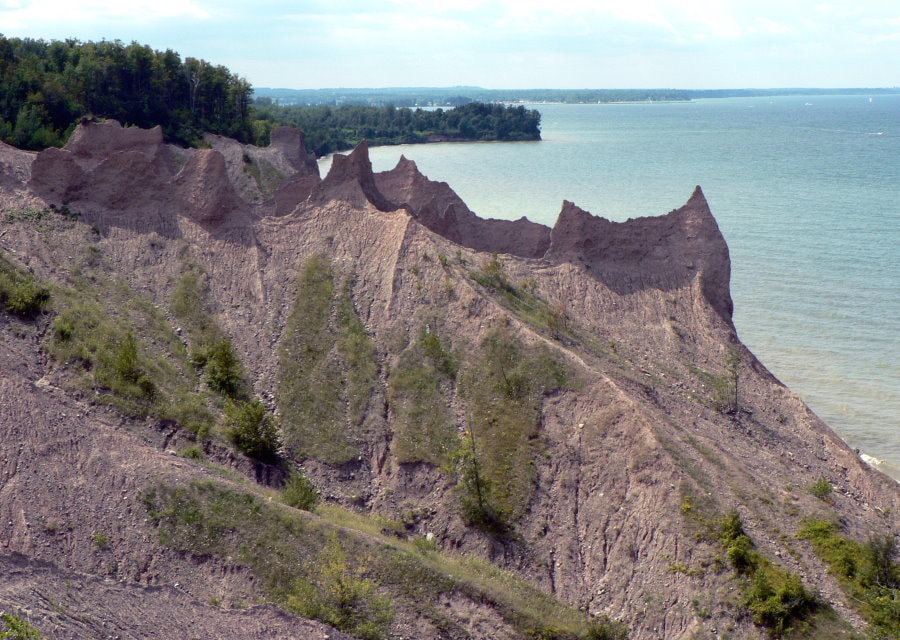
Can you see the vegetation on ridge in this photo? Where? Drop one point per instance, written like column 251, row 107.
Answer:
column 339, row 569
column 326, row 368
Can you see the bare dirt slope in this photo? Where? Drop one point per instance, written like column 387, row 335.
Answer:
column 607, row 492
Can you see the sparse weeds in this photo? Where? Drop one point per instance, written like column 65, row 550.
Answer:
column 504, row 387
column 521, row 300
column 423, row 430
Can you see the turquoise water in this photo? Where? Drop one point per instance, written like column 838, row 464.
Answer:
column 806, row 191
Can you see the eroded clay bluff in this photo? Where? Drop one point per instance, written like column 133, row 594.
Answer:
column 609, row 482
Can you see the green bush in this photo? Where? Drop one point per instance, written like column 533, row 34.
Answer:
column 821, row 488
column 194, row 452
column 738, row 546
column 868, row 573
column 20, row 293
column 776, row 607
column 252, row 430
column 299, row 492
column 17, row 629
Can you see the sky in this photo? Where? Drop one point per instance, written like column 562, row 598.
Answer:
column 500, row 44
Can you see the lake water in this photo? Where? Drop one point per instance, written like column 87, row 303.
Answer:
column 806, row 191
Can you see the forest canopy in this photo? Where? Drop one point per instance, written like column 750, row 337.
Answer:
column 46, row 88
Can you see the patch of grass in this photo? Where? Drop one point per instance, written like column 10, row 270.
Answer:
column 504, row 387
column 358, row 351
column 190, row 411
column 340, row 595
column 20, row 293
column 327, row 368
column 423, row 431
column 341, row 569
column 868, row 573
column 118, row 345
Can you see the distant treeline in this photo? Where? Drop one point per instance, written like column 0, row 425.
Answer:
column 329, row 129
column 454, row 96
column 46, row 87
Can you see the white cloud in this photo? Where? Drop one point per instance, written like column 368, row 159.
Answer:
column 34, row 14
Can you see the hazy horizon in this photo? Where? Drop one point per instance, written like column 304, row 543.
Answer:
column 501, row 44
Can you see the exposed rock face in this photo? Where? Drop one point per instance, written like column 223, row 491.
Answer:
column 351, row 180
column 666, row 252
column 256, row 172
column 203, row 188
column 436, row 205
column 642, row 316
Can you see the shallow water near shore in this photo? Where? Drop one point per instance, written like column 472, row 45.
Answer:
column 805, row 191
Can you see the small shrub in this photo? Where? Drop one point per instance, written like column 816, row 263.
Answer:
column 820, row 489
column 776, row 607
column 252, row 430
column 223, row 369
column 194, row 452
column 20, row 293
column 606, row 630
column 100, row 539
column 299, row 492
column 341, row 596
column 17, row 629
column 28, row 298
